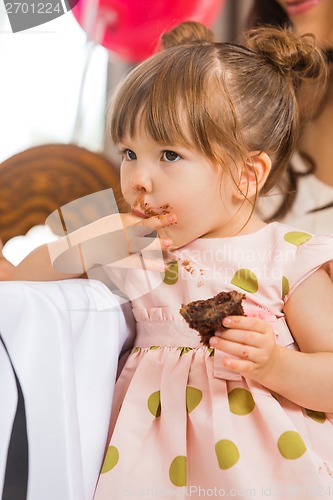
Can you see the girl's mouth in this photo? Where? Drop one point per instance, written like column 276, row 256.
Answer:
column 138, row 213
column 150, row 211
column 296, row 7
column 144, row 210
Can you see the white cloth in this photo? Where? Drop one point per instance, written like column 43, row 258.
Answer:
column 63, row 339
column 311, row 195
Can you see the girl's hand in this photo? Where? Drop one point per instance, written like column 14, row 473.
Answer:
column 154, row 223
column 117, row 240
column 252, row 341
column 140, row 244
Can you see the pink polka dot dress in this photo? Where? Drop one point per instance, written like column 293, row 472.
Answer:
column 184, row 426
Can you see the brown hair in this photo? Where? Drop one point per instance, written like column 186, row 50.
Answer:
column 269, row 12
column 186, row 32
column 234, row 99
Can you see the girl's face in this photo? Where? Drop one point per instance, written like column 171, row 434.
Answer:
column 159, row 178
column 312, row 16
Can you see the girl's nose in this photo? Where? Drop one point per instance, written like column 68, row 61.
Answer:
column 142, row 181
column 140, row 189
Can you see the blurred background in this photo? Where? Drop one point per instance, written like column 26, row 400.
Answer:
column 54, row 83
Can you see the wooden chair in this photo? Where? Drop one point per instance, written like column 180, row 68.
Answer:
column 39, row 180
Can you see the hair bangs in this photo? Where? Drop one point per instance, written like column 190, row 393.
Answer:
column 176, row 97
column 164, row 96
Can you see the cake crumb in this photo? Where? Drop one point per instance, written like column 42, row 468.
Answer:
column 191, row 267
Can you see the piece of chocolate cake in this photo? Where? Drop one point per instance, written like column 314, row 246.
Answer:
column 206, row 316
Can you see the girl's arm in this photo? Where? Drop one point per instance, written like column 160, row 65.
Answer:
column 37, row 266
column 305, row 377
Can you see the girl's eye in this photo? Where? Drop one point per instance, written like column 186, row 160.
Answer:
column 128, row 154
column 170, row 156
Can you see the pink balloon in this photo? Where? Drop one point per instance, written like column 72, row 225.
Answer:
column 131, row 28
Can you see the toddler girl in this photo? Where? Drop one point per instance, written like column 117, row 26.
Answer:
column 203, row 128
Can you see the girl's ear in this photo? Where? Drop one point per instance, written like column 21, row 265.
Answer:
column 254, row 175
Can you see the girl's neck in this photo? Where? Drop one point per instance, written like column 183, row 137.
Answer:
column 247, row 226
column 253, row 225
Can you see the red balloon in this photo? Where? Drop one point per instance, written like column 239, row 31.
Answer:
column 131, row 28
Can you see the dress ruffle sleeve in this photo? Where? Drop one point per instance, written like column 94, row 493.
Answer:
column 308, row 258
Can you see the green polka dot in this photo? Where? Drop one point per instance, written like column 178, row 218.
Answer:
column 285, row 287
column 184, row 350
column 297, row 237
column 227, row 453
column 154, row 403
column 246, row 280
column 241, row 401
column 177, row 471
column 291, row 445
column 154, row 347
column 171, row 273
column 111, row 459
column 318, row 416
column 193, row 398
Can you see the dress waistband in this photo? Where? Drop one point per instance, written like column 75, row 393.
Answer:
column 166, row 334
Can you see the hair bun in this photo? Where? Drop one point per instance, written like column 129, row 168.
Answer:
column 292, row 54
column 186, row 32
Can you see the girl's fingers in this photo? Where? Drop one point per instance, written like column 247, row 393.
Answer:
column 242, row 351
column 155, row 222
column 247, row 337
column 159, row 221
column 142, row 233
column 148, row 243
column 249, row 341
column 238, row 365
column 247, row 323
